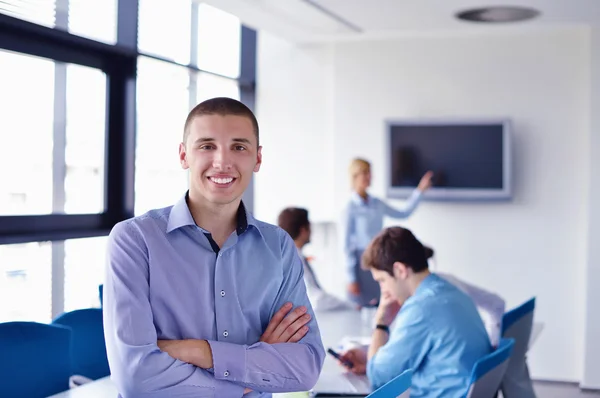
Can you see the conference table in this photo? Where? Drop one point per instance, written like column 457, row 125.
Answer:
column 335, row 327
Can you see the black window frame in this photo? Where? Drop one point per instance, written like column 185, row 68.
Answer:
column 119, row 63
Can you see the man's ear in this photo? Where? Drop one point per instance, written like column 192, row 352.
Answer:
column 183, row 157
column 258, row 159
column 400, row 270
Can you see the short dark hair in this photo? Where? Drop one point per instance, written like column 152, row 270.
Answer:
column 392, row 245
column 292, row 220
column 222, row 106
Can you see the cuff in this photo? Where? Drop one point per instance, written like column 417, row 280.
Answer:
column 229, row 361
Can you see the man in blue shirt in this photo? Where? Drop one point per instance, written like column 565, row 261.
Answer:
column 437, row 330
column 198, row 296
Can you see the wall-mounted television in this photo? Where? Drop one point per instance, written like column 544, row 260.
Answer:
column 471, row 158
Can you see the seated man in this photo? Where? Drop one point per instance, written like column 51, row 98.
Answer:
column 295, row 222
column 489, row 304
column 192, row 291
column 437, row 332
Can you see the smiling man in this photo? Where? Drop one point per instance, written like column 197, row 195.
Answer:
column 199, row 296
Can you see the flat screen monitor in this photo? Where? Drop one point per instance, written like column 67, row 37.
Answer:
column 470, row 158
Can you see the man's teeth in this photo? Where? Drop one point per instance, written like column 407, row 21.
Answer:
column 221, row 180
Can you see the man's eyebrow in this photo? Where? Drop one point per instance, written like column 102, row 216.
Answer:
column 242, row 140
column 203, row 139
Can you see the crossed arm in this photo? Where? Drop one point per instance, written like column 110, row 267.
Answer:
column 286, row 326
column 140, row 368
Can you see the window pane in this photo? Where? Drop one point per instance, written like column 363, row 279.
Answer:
column 94, row 19
column 84, row 271
column 210, row 86
column 85, row 141
column 40, row 12
column 26, row 282
column 219, row 37
column 163, row 105
column 165, row 29
column 26, row 134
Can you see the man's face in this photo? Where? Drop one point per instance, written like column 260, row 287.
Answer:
column 221, row 153
column 305, row 234
column 395, row 286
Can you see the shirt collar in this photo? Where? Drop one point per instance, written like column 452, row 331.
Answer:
column 431, row 279
column 181, row 216
column 356, row 198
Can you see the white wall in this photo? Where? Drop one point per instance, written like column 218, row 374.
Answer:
column 294, row 92
column 532, row 246
column 591, row 375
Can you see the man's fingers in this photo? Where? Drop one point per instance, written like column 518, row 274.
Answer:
column 286, row 322
column 298, row 335
column 294, row 328
column 276, row 320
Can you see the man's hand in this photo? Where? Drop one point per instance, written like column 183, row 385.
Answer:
column 286, row 326
column 387, row 310
column 358, row 358
column 195, row 352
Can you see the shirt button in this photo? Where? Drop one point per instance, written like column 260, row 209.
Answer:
column 226, row 333
column 226, row 373
column 220, row 254
column 222, row 293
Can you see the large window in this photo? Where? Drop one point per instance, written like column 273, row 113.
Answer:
column 94, row 96
column 26, row 134
column 84, row 262
column 45, row 178
column 218, row 41
column 94, row 19
column 26, row 282
column 85, row 140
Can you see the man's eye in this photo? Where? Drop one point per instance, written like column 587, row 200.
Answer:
column 240, row 148
column 206, row 147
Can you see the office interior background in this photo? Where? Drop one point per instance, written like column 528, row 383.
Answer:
column 94, row 93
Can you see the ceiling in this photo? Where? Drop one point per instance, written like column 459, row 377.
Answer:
column 331, row 20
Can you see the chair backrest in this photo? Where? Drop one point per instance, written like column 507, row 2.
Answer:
column 89, row 348
column 517, row 324
column 101, row 293
column 34, row 359
column 398, row 387
column 488, row 372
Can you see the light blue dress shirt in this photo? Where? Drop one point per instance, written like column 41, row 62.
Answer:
column 439, row 334
column 363, row 219
column 167, row 279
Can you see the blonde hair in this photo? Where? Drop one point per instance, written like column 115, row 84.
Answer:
column 358, row 166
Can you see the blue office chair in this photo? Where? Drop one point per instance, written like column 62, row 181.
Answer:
column 517, row 324
column 88, row 349
column 489, row 371
column 34, row 359
column 398, row 387
column 101, row 294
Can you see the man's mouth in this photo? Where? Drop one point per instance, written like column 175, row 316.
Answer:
column 222, row 180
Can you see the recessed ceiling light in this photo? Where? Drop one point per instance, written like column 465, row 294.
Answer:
column 498, row 14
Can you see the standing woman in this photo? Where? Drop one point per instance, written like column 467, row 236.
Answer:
column 362, row 220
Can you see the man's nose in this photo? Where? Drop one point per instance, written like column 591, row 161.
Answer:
column 222, row 159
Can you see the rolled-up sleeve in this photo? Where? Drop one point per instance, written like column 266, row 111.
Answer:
column 138, row 367
column 284, row 367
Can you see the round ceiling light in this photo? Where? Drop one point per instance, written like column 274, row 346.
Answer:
column 499, row 14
